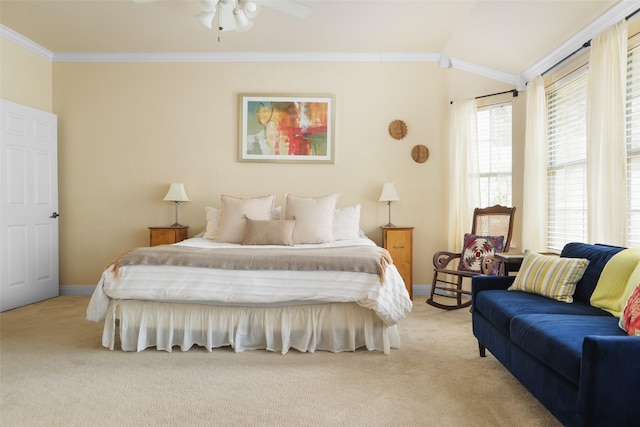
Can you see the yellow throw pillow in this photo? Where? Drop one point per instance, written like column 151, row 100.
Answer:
column 549, row 275
column 619, row 277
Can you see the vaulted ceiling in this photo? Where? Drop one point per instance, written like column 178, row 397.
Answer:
column 508, row 35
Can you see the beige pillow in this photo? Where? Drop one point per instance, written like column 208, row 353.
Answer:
column 313, row 216
column 268, row 232
column 346, row 223
column 213, row 220
column 234, row 215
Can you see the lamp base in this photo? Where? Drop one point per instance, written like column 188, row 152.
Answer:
column 389, row 225
column 176, row 225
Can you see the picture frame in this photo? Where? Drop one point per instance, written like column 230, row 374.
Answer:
column 277, row 128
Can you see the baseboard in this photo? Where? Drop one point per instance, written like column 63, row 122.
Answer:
column 77, row 290
column 421, row 290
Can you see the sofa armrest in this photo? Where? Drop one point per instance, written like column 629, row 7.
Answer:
column 485, row 283
column 609, row 381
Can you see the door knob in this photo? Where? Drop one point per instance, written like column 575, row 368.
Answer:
column 54, row 215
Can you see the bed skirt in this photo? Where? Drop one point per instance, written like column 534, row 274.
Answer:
column 332, row 327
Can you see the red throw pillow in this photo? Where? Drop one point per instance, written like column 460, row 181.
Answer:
column 476, row 248
column 630, row 319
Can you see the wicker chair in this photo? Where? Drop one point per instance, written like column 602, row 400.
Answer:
column 492, row 221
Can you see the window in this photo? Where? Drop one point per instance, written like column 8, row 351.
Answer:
column 633, row 145
column 494, row 154
column 566, row 161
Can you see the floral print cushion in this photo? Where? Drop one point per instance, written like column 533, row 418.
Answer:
column 476, row 248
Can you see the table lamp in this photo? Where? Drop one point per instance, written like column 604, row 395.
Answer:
column 176, row 194
column 389, row 194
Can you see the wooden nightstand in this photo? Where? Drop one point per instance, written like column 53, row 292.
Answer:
column 167, row 235
column 399, row 242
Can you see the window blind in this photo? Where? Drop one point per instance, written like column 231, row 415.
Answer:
column 566, row 170
column 494, row 154
column 633, row 145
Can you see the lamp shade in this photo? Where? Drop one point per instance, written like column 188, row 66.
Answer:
column 389, row 193
column 176, row 193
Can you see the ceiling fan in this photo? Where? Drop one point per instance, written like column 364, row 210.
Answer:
column 228, row 15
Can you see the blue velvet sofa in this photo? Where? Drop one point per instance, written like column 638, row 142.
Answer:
column 574, row 358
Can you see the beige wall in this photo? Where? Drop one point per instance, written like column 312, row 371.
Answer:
column 127, row 130
column 25, row 77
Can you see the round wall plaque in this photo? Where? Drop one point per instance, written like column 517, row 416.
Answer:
column 420, row 153
column 397, row 129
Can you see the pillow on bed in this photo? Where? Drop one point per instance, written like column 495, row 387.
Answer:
column 234, row 213
column 314, row 217
column 213, row 220
column 346, row 223
column 268, row 232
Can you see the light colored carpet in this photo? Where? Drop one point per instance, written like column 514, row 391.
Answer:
column 54, row 372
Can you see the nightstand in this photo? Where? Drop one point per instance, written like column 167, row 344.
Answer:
column 399, row 242
column 167, row 235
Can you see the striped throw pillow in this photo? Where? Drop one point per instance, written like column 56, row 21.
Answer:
column 549, row 275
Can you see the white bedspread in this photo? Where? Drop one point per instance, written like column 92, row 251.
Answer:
column 389, row 300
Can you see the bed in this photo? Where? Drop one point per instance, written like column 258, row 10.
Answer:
column 271, row 290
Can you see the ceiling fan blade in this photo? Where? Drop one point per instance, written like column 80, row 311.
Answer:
column 288, row 6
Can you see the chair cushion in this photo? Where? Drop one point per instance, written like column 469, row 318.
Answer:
column 476, row 248
column 598, row 255
column 549, row 276
column 500, row 306
column 630, row 319
column 556, row 339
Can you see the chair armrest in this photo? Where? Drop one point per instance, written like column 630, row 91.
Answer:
column 486, row 283
column 609, row 380
column 441, row 259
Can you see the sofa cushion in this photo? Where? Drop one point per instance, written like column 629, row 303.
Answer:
column 630, row 319
column 500, row 306
column 617, row 280
column 549, row 276
column 556, row 339
column 598, row 255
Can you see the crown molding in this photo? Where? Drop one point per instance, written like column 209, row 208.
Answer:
column 8, row 34
column 249, row 57
column 483, row 71
column 604, row 21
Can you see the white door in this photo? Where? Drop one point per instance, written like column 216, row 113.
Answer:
column 28, row 205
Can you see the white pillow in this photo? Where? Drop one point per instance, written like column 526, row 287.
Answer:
column 235, row 211
column 314, row 217
column 213, row 220
column 346, row 223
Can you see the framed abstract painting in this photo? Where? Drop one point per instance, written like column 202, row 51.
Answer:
column 286, row 128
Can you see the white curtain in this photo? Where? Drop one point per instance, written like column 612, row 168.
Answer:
column 464, row 187
column 534, row 203
column 606, row 145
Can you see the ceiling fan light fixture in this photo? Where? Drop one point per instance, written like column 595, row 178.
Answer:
column 242, row 22
column 209, row 5
column 206, row 18
column 249, row 7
